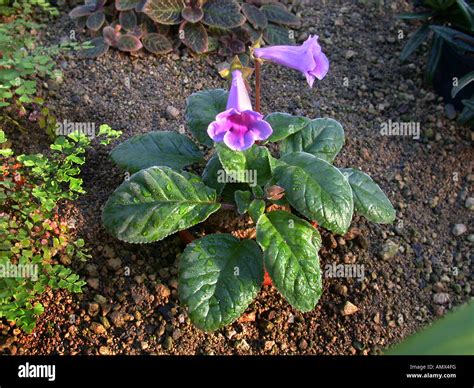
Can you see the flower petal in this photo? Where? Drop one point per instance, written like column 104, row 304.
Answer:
column 261, row 129
column 217, row 129
column 322, row 66
column 239, row 141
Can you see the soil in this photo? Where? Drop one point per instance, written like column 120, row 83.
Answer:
column 415, row 270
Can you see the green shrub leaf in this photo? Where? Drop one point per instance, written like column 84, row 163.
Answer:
column 323, row 138
column 250, row 166
column 157, row 202
column 291, row 257
column 210, row 175
column 201, row 109
column 369, row 199
column 284, row 125
column 317, row 190
column 163, row 148
column 219, row 276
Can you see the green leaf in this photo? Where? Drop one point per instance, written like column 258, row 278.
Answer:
column 291, row 258
column 129, row 43
column 317, row 190
column 464, row 81
column 97, row 48
column 369, row 199
column 201, row 110
column 242, row 199
column 322, row 137
column 433, row 59
column 466, row 11
column 164, row 11
column 277, row 35
column 457, row 38
column 415, row 16
column 126, row 5
column 211, row 175
column 157, row 43
column 157, row 202
column 128, row 20
column 194, row 36
column 192, row 15
column 451, row 335
column 278, row 13
column 95, row 21
column 284, row 125
column 256, row 17
column 162, row 148
column 256, row 209
column 219, row 276
column 222, row 14
column 415, row 41
column 251, row 166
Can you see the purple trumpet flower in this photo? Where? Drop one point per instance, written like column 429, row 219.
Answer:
column 239, row 126
column 307, row 58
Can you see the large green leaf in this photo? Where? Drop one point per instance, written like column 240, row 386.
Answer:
column 284, row 125
column 256, row 209
column 369, row 199
column 219, row 276
column 317, row 190
column 164, row 11
column 157, row 202
column 415, row 41
column 291, row 258
column 201, row 110
column 222, row 14
column 163, row 148
column 251, row 166
column 323, row 138
column 451, row 335
column 213, row 173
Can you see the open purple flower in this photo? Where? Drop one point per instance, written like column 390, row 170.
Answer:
column 307, row 58
column 239, row 126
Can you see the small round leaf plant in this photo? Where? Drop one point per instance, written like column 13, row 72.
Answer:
column 220, row 275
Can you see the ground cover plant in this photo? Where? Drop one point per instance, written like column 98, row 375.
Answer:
column 220, row 275
column 202, row 25
column 37, row 245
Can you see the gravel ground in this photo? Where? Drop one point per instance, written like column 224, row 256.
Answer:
column 415, row 270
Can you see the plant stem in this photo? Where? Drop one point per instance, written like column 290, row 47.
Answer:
column 257, row 86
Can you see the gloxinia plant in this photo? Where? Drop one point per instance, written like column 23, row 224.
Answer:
column 219, row 274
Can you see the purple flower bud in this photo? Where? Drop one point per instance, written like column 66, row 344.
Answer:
column 239, row 126
column 307, row 58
